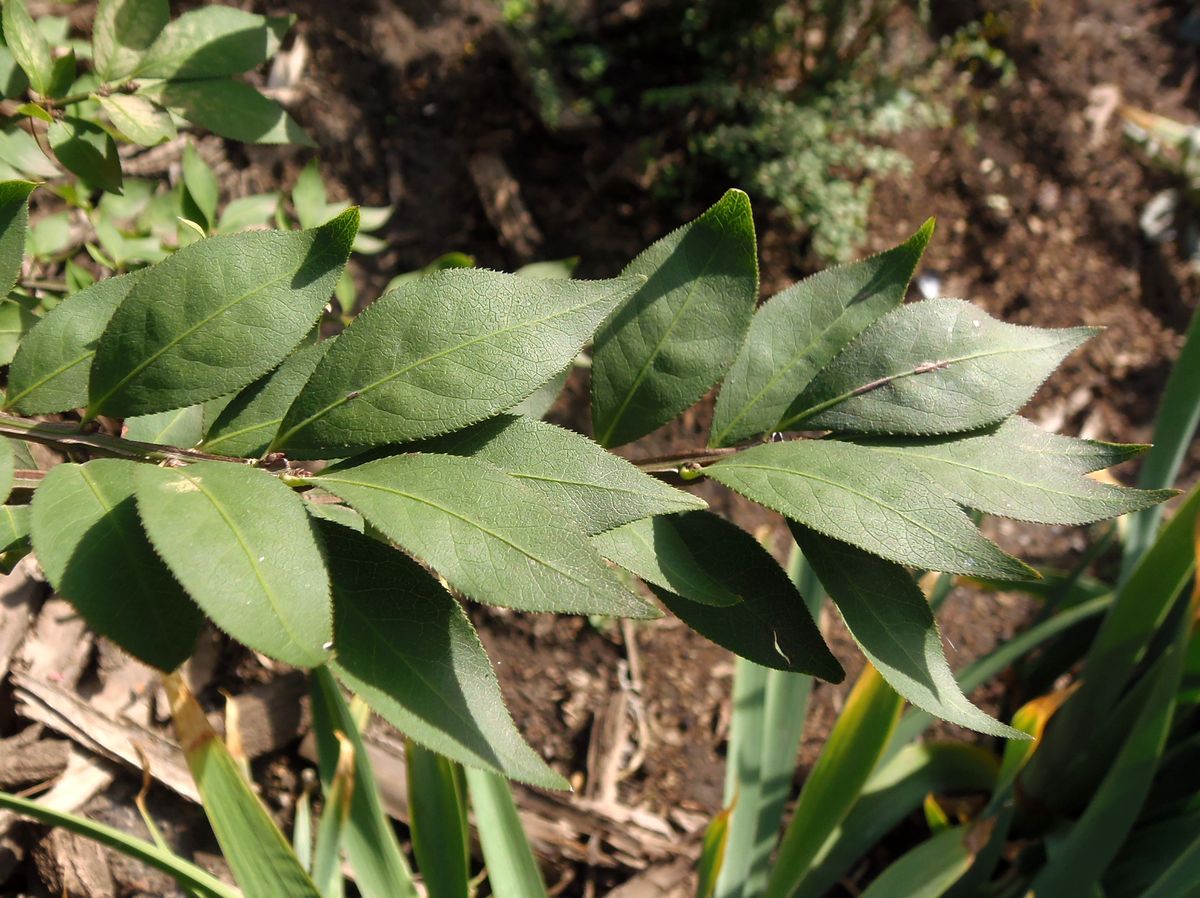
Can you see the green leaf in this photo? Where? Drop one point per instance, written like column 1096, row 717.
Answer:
column 13, row 81
column 927, row 870
column 51, row 369
column 308, row 196
column 211, row 42
column 798, row 332
column 15, row 523
column 512, row 868
column 675, row 337
column 14, row 223
column 16, row 319
column 122, row 33
column 87, row 150
column 890, row 619
column 842, row 491
column 433, row 357
column 938, row 366
column 90, row 543
column 200, row 190
column 538, row 403
column 597, row 489
column 655, row 550
column 28, row 46
column 215, row 316
column 140, row 120
column 241, row 544
column 437, row 800
column 247, row 212
column 404, row 644
column 247, row 424
column 62, row 76
column 7, row 468
column 771, row 626
column 20, row 149
column 178, row 427
column 490, row 537
column 1001, row 472
column 230, row 109
column 51, row 235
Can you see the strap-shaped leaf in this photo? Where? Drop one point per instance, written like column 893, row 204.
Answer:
column 215, row 316
column 248, row 423
column 232, row 109
column 598, row 489
column 14, row 223
column 211, row 42
column 938, row 366
column 490, row 537
column 53, row 363
column 771, row 626
column 88, row 150
column 798, row 332
column 404, row 644
column 676, row 336
column 28, row 46
column 892, row 510
column 90, row 543
column 1001, row 473
column 443, row 352
column 122, row 33
column 890, row 619
column 655, row 550
column 241, row 544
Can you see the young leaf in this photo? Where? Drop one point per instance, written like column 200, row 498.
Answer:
column 798, row 332
column 404, row 644
column 938, row 366
column 490, row 537
column 178, row 427
column 28, row 46
column 90, row 543
column 231, row 109
column 87, row 150
column 597, row 489
column 215, row 316
column 440, row 353
column 14, row 222
column 246, row 425
column 212, row 42
column 122, row 32
column 1000, row 473
column 51, row 368
column 140, row 120
column 890, row 619
column 246, row 212
column 200, row 191
column 308, row 196
column 241, row 544
column 893, row 510
column 655, row 550
column 62, row 76
column 771, row 625
column 676, row 336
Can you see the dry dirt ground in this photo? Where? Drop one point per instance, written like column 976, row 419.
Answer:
column 1037, row 201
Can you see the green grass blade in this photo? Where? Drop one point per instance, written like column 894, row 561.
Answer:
column 850, row 754
column 327, row 856
column 712, row 854
column 743, row 775
column 927, row 870
column 441, row 840
column 183, row 872
column 512, row 869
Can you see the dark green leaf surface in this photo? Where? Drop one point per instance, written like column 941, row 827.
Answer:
column 231, row 109
column 28, row 46
column 655, row 550
column 14, row 223
column 215, row 316
column 490, row 537
column 249, row 422
column 138, row 119
column 53, row 363
column 122, row 33
column 87, row 150
column 16, row 319
column 90, row 543
column 938, row 366
column 15, row 523
column 798, row 332
column 211, row 42
column 178, row 427
column 597, row 489
column 404, row 644
column 894, row 511
column 890, row 619
column 443, row 352
column 1001, row 473
column 771, row 625
column 241, row 544
column 675, row 337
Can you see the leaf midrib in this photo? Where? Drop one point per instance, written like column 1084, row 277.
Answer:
column 11, row 401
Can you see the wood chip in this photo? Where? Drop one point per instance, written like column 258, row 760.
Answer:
column 60, row 645
column 26, row 758
column 72, row 865
column 19, row 593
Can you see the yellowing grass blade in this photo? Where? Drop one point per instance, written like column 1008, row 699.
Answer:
column 712, row 854
column 262, row 861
